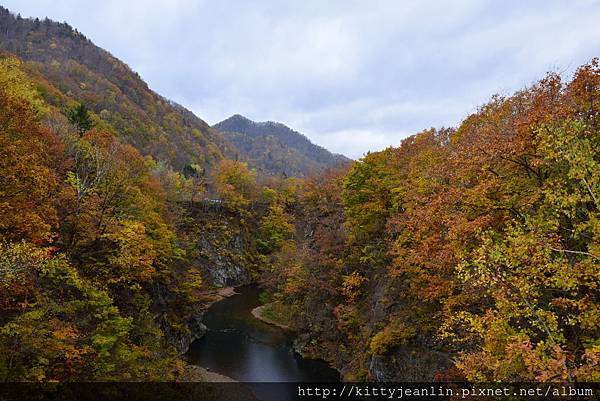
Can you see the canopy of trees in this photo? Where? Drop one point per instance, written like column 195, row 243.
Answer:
column 480, row 243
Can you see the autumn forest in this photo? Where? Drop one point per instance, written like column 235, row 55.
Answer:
column 469, row 253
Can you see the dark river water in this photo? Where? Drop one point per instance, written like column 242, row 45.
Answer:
column 246, row 349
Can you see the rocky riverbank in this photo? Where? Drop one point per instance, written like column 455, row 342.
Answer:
column 195, row 373
column 182, row 339
column 262, row 313
column 199, row 383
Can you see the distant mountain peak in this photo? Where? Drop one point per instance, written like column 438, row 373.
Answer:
column 238, row 117
column 239, row 121
column 244, row 125
column 302, row 156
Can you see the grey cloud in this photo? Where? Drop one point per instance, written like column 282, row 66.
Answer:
column 352, row 75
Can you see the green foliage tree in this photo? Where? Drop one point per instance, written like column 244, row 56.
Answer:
column 235, row 183
column 540, row 274
column 15, row 83
column 79, row 116
column 274, row 229
column 59, row 326
column 88, row 313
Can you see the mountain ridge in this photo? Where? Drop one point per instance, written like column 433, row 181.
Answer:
column 73, row 69
column 114, row 92
column 290, row 152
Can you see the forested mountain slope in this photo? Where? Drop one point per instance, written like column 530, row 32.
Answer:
column 105, row 268
column 107, row 261
column 83, row 72
column 275, row 149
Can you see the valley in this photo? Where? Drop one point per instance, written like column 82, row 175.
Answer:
column 465, row 253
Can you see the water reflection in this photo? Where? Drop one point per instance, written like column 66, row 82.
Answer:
column 244, row 348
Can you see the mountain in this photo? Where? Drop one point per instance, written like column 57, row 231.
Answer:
column 72, row 69
column 273, row 148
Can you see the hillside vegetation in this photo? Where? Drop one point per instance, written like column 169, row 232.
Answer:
column 274, row 149
column 107, row 261
column 464, row 253
column 83, row 72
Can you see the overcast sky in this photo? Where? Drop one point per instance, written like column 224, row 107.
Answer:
column 351, row 75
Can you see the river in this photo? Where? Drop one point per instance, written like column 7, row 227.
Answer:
column 246, row 349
